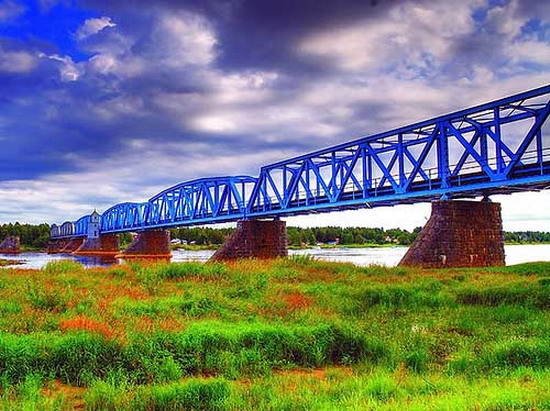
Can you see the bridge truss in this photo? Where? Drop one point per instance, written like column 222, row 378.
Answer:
column 499, row 147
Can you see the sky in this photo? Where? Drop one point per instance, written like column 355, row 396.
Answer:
column 109, row 101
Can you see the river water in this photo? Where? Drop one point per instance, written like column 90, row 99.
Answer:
column 389, row 256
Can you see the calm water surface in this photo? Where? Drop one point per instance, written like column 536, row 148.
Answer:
column 515, row 254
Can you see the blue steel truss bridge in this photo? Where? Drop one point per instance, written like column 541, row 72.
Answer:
column 501, row 147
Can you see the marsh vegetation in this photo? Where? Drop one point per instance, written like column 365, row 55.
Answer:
column 286, row 334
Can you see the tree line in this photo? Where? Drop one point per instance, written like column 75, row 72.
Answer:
column 297, row 236
column 37, row 236
column 526, row 237
column 31, row 235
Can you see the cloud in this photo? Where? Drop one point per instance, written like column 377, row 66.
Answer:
column 16, row 61
column 68, row 69
column 10, row 10
column 181, row 90
column 93, row 26
column 414, row 37
column 183, row 39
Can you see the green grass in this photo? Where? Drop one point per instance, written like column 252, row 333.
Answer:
column 288, row 334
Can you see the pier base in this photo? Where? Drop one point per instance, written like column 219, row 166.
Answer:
column 55, row 246
column 149, row 244
column 104, row 245
column 459, row 234
column 10, row 245
column 72, row 245
column 254, row 239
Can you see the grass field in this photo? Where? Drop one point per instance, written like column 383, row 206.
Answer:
column 290, row 334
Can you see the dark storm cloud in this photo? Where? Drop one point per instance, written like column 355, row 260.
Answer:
column 262, row 33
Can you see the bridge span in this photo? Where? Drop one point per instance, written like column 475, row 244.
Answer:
column 500, row 147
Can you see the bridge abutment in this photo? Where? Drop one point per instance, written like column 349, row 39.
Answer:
column 459, row 234
column 149, row 244
column 103, row 245
column 10, row 245
column 254, row 239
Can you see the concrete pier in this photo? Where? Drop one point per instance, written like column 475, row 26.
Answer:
column 254, row 239
column 10, row 245
column 149, row 244
column 104, row 245
column 459, row 234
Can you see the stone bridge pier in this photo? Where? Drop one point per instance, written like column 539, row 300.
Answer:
column 72, row 245
column 459, row 234
column 149, row 244
column 106, row 245
column 10, row 245
column 254, row 239
column 55, row 246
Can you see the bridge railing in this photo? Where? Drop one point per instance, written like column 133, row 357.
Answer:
column 471, row 171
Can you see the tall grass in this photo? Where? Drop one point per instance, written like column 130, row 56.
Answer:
column 62, row 267
column 532, row 295
column 286, row 334
column 203, row 349
column 192, row 269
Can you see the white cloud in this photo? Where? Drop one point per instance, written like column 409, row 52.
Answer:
column 412, row 38
column 16, row 61
column 529, row 51
column 93, row 26
column 133, row 177
column 174, row 41
column 183, row 39
column 68, row 69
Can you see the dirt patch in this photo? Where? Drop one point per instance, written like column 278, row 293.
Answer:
column 73, row 395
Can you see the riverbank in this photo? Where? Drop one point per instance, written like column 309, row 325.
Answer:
column 213, row 247
column 4, row 262
column 388, row 256
column 286, row 334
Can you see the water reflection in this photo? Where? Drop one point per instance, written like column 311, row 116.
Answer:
column 389, row 256
column 94, row 261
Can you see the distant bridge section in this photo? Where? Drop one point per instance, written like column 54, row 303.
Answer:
column 499, row 147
